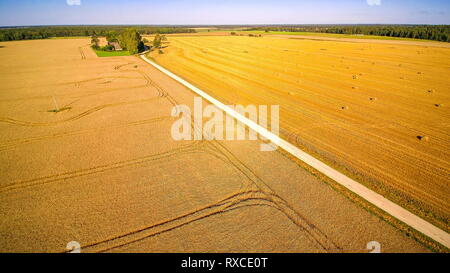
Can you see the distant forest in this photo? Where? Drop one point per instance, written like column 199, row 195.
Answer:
column 427, row 32
column 43, row 32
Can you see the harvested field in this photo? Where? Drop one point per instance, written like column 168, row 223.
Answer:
column 105, row 172
column 375, row 110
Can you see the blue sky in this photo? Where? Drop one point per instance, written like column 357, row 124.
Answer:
column 57, row 12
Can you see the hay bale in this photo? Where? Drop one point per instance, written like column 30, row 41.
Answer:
column 344, row 107
column 373, row 99
column 423, row 138
column 438, row 105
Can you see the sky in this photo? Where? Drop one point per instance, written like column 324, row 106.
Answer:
column 222, row 12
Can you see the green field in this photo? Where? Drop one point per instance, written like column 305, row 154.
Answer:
column 101, row 53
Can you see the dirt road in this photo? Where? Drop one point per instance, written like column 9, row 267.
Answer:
column 374, row 111
column 376, row 199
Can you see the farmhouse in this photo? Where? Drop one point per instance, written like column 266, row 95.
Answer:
column 115, row 45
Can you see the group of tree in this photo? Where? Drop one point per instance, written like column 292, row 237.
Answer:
column 129, row 39
column 158, row 41
column 249, row 35
column 43, row 32
column 132, row 41
column 428, row 32
column 95, row 42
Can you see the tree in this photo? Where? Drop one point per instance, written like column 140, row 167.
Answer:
column 130, row 39
column 157, row 41
column 111, row 36
column 95, row 41
column 141, row 46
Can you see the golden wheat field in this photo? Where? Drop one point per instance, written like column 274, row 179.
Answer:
column 376, row 110
column 105, row 172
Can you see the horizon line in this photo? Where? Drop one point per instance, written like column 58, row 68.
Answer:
column 221, row 25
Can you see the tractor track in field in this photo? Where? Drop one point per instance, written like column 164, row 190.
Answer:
column 14, row 143
column 253, row 192
column 239, row 200
column 97, row 169
column 83, row 56
column 73, row 118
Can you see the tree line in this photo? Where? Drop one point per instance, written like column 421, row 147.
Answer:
column 44, row 32
column 129, row 39
column 427, row 32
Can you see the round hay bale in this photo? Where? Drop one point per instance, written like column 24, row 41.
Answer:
column 373, row 99
column 423, row 138
column 344, row 107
